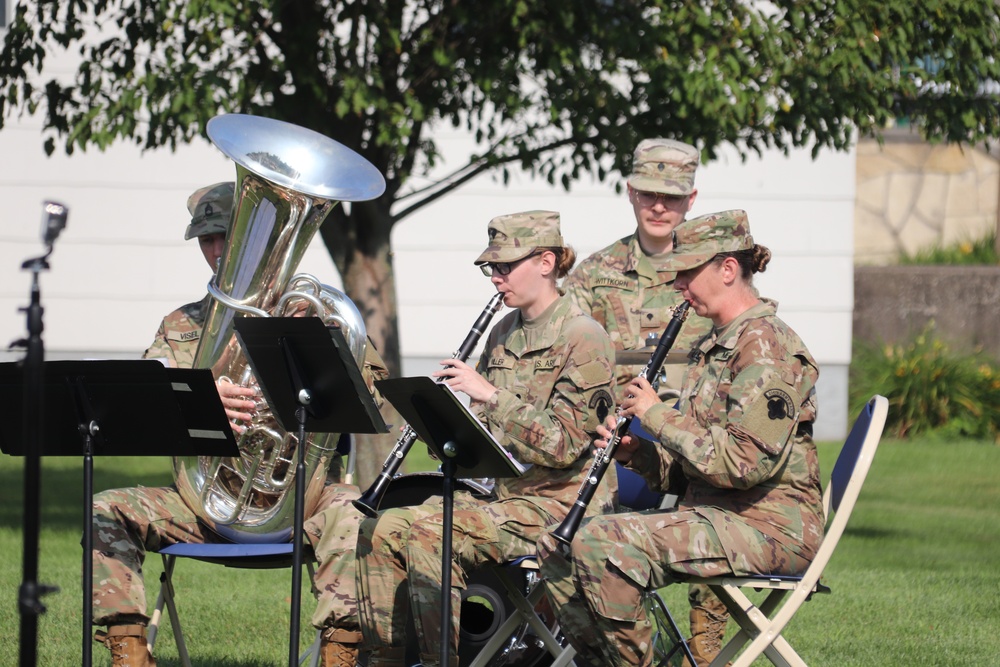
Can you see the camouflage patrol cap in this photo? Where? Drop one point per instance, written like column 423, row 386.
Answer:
column 664, row 165
column 698, row 240
column 210, row 207
column 515, row 236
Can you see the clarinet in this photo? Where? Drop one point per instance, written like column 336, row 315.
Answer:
column 604, row 457
column 370, row 500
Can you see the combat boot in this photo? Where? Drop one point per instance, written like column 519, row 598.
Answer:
column 708, row 627
column 339, row 648
column 127, row 644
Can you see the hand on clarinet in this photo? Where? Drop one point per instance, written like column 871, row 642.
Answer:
column 462, row 377
column 640, row 397
column 238, row 402
column 626, row 446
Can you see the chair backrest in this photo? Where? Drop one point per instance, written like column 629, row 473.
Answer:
column 633, row 492
column 855, row 458
column 846, row 480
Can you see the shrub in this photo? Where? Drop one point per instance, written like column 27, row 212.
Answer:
column 968, row 253
column 931, row 391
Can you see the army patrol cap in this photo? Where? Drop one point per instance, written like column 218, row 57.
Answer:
column 698, row 240
column 664, row 165
column 210, row 207
column 515, row 236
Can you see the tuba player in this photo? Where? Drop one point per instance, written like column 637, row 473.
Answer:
column 128, row 522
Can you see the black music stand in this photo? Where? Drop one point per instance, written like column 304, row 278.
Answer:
column 462, row 443
column 308, row 375
column 100, row 408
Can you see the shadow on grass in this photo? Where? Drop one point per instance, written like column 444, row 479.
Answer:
column 62, row 492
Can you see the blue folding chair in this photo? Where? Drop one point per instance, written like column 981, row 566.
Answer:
column 244, row 556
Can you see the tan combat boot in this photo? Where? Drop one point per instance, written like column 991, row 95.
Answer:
column 339, row 648
column 708, row 627
column 127, row 644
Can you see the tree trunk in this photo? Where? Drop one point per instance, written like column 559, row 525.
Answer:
column 359, row 245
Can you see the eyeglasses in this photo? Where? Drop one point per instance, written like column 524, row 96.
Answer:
column 504, row 268
column 649, row 199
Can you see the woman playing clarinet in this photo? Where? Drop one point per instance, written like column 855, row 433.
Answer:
column 741, row 433
column 542, row 386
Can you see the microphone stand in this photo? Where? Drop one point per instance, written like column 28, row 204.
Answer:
column 29, row 595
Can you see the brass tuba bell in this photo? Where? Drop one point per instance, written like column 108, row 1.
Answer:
column 288, row 179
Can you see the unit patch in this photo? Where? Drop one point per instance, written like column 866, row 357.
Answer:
column 779, row 404
column 771, row 416
column 601, row 403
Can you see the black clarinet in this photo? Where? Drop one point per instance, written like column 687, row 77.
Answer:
column 603, row 458
column 370, row 500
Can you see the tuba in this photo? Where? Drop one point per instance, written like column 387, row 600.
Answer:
column 288, row 179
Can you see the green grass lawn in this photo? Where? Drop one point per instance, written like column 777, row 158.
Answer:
column 916, row 579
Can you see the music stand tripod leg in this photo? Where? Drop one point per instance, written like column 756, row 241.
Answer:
column 448, row 469
column 88, row 543
column 300, row 472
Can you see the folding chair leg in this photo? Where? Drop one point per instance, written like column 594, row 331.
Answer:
column 311, row 654
column 524, row 612
column 166, row 597
column 747, row 615
column 668, row 641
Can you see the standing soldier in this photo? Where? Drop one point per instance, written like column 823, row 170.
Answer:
column 628, row 287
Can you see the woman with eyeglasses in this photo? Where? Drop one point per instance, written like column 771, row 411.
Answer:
column 542, row 386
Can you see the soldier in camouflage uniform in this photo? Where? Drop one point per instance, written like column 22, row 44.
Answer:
column 177, row 338
column 542, row 385
column 741, row 434
column 628, row 287
column 129, row 522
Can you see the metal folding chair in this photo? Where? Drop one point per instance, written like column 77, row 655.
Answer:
column 761, row 625
column 245, row 556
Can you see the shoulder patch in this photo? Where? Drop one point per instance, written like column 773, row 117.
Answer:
column 772, row 415
column 779, row 404
column 601, row 404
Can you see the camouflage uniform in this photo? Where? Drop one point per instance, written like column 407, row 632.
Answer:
column 177, row 338
column 554, row 377
column 622, row 290
column 742, row 436
column 129, row 522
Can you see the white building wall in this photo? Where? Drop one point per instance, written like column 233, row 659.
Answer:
column 122, row 263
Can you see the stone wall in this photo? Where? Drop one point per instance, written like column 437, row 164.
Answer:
column 912, row 196
column 894, row 303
